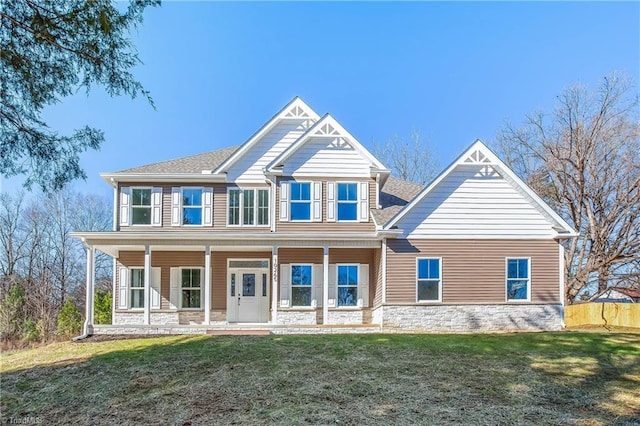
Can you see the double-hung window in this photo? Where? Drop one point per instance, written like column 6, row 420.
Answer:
column 428, row 274
column 347, row 201
column 190, row 287
column 347, row 285
column 301, row 276
column 300, row 201
column 518, row 278
column 141, row 206
column 248, row 207
column 137, row 288
column 192, row 206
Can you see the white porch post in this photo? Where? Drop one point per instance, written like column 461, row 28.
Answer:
column 274, row 284
column 88, row 322
column 147, row 285
column 207, row 285
column 325, row 285
column 384, row 270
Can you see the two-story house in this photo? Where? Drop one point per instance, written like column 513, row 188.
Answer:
column 302, row 226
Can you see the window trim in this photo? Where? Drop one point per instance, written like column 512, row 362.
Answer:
column 309, row 202
column 180, row 288
column 150, row 207
column 357, row 286
column 506, row 279
column 131, row 287
column 439, row 300
column 356, row 202
column 292, row 286
column 182, row 206
column 256, row 207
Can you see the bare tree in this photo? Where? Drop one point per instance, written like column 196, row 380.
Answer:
column 411, row 160
column 584, row 160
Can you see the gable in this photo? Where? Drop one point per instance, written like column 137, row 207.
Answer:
column 475, row 201
column 327, row 149
column 478, row 196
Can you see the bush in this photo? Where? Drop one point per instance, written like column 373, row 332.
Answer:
column 69, row 319
column 102, row 307
column 12, row 313
column 31, row 331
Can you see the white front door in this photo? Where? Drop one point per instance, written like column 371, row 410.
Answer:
column 248, row 295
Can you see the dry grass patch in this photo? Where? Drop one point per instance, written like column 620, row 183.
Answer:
column 554, row 378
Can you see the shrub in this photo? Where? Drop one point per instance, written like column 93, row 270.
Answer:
column 69, row 319
column 12, row 313
column 102, row 307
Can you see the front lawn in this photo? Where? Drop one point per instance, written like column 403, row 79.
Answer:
column 539, row 378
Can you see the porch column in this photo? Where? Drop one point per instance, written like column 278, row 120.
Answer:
column 207, row 285
column 274, row 284
column 88, row 322
column 325, row 284
column 147, row 285
column 383, row 255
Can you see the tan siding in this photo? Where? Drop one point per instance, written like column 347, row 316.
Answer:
column 325, row 226
column 473, row 270
column 300, row 255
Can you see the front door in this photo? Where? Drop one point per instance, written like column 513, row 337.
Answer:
column 248, row 295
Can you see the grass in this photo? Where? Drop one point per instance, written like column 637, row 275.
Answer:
column 541, row 378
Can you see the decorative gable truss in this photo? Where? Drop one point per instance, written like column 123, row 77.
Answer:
column 479, row 196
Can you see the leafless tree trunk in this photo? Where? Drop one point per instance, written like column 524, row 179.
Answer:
column 411, row 160
column 584, row 160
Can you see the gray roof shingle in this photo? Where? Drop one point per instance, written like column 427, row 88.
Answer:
column 191, row 164
column 395, row 194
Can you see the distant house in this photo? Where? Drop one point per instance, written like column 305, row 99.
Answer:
column 618, row 295
column 301, row 226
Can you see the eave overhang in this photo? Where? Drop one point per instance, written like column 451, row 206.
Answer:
column 113, row 178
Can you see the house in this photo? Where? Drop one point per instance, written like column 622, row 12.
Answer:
column 618, row 295
column 301, row 226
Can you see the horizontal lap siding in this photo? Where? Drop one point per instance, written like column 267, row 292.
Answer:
column 300, row 255
column 473, row 270
column 325, row 226
column 376, row 291
column 320, row 156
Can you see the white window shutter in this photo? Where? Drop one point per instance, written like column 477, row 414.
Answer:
column 174, row 288
column 156, row 206
column 176, row 206
column 363, row 286
column 316, row 202
column 125, row 202
column 207, row 206
column 155, row 288
column 331, row 201
column 285, row 285
column 333, row 286
column 123, row 274
column 363, row 202
column 316, row 292
column 284, row 201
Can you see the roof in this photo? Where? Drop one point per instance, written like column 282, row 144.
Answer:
column 190, row 164
column 395, row 194
column 479, row 153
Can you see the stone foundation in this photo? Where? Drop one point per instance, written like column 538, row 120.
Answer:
column 167, row 317
column 349, row 317
column 306, row 317
column 470, row 318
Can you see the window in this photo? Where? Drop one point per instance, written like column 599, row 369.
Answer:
column 347, row 285
column 347, row 201
column 137, row 288
column 248, row 207
column 190, row 286
column 428, row 275
column 301, row 285
column 141, row 206
column 300, row 201
column 192, row 206
column 518, row 279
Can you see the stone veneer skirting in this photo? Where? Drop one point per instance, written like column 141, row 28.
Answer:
column 167, row 317
column 469, row 318
column 306, row 317
column 349, row 317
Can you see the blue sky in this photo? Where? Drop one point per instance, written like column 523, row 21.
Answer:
column 455, row 71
